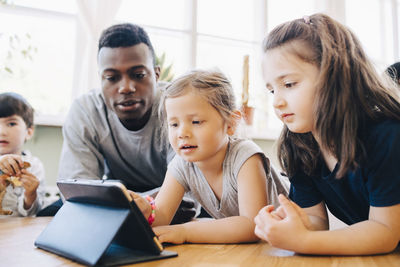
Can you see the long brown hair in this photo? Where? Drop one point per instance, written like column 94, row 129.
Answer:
column 350, row 95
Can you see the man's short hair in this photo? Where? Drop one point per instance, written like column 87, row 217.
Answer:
column 14, row 104
column 125, row 35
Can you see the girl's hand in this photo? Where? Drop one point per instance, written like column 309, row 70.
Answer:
column 175, row 234
column 288, row 232
column 11, row 164
column 30, row 183
column 280, row 214
column 142, row 203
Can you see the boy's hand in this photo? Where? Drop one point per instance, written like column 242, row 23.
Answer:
column 30, row 183
column 171, row 233
column 11, row 164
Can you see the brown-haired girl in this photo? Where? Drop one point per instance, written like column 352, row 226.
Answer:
column 340, row 145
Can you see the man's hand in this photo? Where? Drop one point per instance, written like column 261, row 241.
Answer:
column 185, row 212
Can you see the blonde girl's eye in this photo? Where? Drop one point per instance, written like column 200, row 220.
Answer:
column 290, row 84
column 173, row 125
column 196, row 122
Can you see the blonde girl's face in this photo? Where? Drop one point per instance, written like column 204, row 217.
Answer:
column 196, row 130
column 292, row 82
column 13, row 134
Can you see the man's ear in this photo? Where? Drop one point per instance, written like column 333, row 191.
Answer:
column 30, row 132
column 157, row 71
column 234, row 121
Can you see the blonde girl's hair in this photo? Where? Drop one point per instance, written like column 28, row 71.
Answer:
column 350, row 94
column 212, row 85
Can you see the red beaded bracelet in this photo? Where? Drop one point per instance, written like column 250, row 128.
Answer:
column 153, row 209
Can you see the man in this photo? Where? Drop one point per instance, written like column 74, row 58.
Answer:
column 115, row 133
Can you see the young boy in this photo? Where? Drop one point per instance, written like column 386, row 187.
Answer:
column 25, row 197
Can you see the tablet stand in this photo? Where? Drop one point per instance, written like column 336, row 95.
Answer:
column 96, row 235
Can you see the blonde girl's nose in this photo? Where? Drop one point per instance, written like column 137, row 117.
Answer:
column 183, row 131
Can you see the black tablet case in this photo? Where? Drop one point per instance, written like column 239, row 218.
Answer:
column 95, row 228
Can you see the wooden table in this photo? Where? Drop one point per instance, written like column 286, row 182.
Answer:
column 17, row 236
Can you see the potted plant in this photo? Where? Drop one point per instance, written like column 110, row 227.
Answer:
column 165, row 71
column 247, row 111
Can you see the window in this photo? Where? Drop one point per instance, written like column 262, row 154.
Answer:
column 39, row 61
column 192, row 34
column 166, row 24
column 278, row 11
column 374, row 28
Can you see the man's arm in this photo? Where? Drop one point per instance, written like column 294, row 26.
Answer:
column 80, row 155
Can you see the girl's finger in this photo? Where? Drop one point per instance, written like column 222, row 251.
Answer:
column 287, row 206
column 260, row 233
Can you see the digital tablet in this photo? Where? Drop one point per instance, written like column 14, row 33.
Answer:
column 100, row 224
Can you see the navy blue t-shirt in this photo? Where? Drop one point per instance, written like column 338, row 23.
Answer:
column 375, row 183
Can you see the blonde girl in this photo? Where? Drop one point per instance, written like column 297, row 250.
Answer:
column 231, row 178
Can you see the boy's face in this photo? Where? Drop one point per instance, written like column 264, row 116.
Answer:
column 13, row 134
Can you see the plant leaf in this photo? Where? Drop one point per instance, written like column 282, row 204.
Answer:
column 8, row 70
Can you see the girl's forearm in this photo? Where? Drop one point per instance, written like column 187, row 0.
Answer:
column 364, row 238
column 236, row 229
column 161, row 218
column 318, row 223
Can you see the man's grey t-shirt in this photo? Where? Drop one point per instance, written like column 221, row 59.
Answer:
column 96, row 143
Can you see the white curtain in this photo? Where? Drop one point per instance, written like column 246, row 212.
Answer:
column 95, row 15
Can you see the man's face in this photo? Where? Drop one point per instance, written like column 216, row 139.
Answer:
column 128, row 80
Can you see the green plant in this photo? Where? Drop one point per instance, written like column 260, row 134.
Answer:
column 165, row 71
